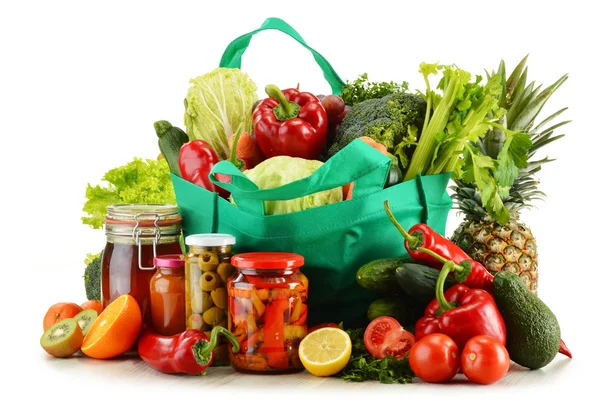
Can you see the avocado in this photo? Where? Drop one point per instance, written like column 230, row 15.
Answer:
column 532, row 330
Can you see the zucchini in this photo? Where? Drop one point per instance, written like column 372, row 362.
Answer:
column 400, row 307
column 170, row 140
column 418, row 280
column 380, row 275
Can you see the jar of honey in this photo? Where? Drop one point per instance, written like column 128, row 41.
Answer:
column 207, row 269
column 135, row 235
column 267, row 311
column 167, row 295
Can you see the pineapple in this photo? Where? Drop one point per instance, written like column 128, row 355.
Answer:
column 511, row 246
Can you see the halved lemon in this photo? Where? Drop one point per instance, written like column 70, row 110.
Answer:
column 326, row 351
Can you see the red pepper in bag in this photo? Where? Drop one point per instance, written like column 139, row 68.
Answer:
column 189, row 352
column 196, row 160
column 461, row 312
column 439, row 251
column 290, row 123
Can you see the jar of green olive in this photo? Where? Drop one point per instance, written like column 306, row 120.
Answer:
column 207, row 269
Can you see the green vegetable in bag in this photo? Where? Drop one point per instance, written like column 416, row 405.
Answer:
column 219, row 104
column 281, row 170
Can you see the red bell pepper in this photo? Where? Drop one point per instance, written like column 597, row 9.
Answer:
column 274, row 335
column 189, row 352
column 290, row 123
column 461, row 312
column 422, row 236
column 196, row 160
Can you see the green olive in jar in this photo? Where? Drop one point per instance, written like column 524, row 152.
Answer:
column 209, row 281
column 219, row 297
column 213, row 315
column 201, row 301
column 225, row 270
column 208, row 261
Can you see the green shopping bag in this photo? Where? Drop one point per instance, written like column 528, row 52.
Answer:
column 336, row 239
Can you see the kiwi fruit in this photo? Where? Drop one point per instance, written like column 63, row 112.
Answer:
column 62, row 339
column 85, row 319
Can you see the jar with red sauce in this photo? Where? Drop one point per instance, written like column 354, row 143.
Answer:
column 135, row 235
column 167, row 295
column 267, row 311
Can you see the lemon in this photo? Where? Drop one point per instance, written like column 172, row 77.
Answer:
column 326, row 351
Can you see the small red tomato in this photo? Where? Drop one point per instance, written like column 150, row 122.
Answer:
column 484, row 360
column 385, row 336
column 434, row 358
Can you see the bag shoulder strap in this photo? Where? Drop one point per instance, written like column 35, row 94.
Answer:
column 232, row 57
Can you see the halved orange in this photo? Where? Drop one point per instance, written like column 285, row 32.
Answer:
column 115, row 330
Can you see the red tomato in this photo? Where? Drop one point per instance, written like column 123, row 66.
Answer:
column 323, row 325
column 385, row 336
column 484, row 360
column 434, row 358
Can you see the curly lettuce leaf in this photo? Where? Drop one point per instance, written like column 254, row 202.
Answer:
column 139, row 181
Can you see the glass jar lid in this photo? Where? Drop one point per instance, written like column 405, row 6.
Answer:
column 170, row 261
column 267, row 260
column 210, row 240
column 143, row 215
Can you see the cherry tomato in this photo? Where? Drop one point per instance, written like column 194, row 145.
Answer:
column 434, row 358
column 385, row 336
column 484, row 360
column 323, row 325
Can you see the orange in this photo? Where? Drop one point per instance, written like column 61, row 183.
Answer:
column 92, row 304
column 60, row 311
column 115, row 330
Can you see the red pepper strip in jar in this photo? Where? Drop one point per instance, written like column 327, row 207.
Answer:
column 303, row 316
column 274, row 335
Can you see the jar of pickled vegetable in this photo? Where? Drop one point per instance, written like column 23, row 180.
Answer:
column 267, row 311
column 135, row 235
column 207, row 268
column 167, row 295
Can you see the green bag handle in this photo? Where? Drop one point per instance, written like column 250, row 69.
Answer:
column 232, row 57
column 357, row 162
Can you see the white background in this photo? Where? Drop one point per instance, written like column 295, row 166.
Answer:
column 82, row 83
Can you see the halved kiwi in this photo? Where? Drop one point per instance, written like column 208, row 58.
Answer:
column 62, row 339
column 85, row 319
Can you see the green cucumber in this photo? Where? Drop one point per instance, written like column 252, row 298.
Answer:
column 379, row 275
column 418, row 280
column 170, row 140
column 400, row 307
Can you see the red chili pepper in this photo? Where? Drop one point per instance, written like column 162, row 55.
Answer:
column 189, row 352
column 274, row 335
column 290, row 123
column 461, row 312
column 422, row 236
column 196, row 160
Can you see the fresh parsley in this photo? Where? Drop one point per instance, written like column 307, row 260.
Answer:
column 362, row 366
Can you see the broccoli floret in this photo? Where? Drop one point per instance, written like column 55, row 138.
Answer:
column 388, row 120
column 93, row 276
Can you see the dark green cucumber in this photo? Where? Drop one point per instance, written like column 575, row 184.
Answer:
column 379, row 275
column 402, row 308
column 170, row 140
column 418, row 280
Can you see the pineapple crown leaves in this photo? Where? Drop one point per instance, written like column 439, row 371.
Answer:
column 509, row 184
